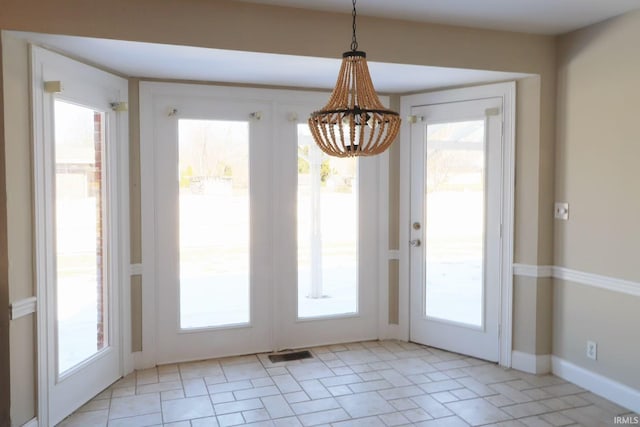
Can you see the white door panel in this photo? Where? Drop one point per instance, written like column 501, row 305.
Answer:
column 81, row 232
column 212, row 228
column 456, row 193
column 329, row 294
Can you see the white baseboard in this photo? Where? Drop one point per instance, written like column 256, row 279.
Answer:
column 32, row 423
column 616, row 392
column 531, row 363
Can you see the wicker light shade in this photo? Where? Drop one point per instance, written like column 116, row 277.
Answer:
column 354, row 122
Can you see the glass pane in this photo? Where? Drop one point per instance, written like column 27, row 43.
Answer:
column 454, row 206
column 81, row 288
column 214, row 222
column 327, row 231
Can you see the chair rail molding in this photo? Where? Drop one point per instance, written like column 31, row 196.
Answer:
column 528, row 270
column 614, row 284
column 135, row 269
column 23, row 307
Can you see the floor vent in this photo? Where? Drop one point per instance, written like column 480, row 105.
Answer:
column 287, row 357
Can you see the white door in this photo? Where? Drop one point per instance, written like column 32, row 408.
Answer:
column 456, row 216
column 212, row 223
column 258, row 240
column 326, row 221
column 81, row 233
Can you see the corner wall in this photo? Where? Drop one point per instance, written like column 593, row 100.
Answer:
column 19, row 232
column 533, row 220
column 5, row 371
column 597, row 173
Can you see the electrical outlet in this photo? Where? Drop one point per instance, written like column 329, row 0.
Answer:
column 592, row 350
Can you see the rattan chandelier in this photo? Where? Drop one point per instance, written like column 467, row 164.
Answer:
column 354, row 122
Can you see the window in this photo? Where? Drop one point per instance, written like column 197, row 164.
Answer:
column 327, row 231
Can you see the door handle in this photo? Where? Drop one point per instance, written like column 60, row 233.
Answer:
column 415, row 243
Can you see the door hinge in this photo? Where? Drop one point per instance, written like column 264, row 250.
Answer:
column 492, row 111
column 53, row 86
column 415, row 119
column 119, row 106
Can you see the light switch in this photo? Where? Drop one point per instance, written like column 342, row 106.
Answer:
column 561, row 210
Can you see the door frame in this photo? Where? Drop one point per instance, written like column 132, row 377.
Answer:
column 506, row 91
column 42, row 61
column 173, row 343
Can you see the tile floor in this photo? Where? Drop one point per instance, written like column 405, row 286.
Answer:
column 386, row 383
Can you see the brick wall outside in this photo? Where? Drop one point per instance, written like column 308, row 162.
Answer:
column 98, row 133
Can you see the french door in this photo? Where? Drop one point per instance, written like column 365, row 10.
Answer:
column 456, row 217
column 212, row 228
column 256, row 237
column 81, row 232
column 326, row 238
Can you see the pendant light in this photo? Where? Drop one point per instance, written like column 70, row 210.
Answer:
column 354, row 122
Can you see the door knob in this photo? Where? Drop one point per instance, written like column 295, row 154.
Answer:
column 415, row 243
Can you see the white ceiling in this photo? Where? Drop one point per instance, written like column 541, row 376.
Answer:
column 531, row 16
column 135, row 59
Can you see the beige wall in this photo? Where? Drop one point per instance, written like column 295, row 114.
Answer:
column 5, row 371
column 532, row 310
column 527, row 170
column 135, row 213
column 394, row 224
column 611, row 319
column 241, row 26
column 598, row 150
column 533, row 230
column 134, row 172
column 597, row 173
column 19, row 232
column 544, row 313
column 524, row 314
